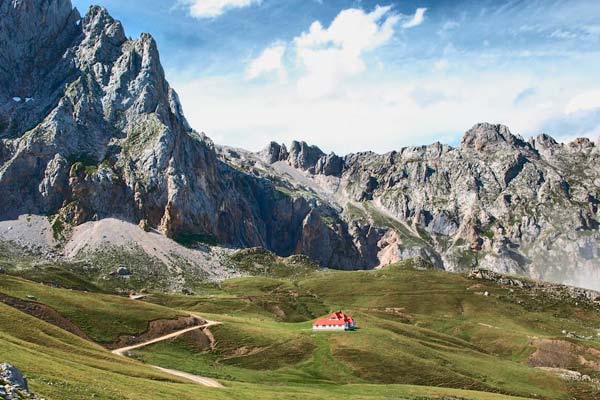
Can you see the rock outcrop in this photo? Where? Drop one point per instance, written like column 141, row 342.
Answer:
column 12, row 384
column 551, row 289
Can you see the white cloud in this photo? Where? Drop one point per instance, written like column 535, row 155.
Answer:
column 563, row 34
column 339, row 95
column 270, row 61
column 417, row 19
column 380, row 114
column 584, row 101
column 334, row 54
column 214, row 8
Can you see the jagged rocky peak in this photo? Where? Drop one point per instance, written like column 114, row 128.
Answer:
column 274, row 152
column 72, row 65
column 581, row 144
column 98, row 22
column 544, row 142
column 485, row 137
column 304, row 156
column 330, row 165
column 88, row 96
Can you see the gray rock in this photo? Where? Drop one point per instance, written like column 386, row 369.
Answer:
column 275, row 152
column 12, row 376
column 304, row 156
column 488, row 137
column 123, row 271
column 330, row 165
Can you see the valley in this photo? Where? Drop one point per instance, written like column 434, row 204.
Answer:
column 141, row 260
column 423, row 334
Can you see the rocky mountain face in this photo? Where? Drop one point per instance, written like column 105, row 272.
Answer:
column 90, row 129
column 497, row 201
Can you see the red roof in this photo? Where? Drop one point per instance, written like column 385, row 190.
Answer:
column 327, row 321
column 337, row 319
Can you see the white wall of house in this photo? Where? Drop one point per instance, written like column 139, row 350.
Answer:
column 329, row 327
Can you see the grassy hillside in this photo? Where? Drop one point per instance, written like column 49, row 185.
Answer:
column 423, row 335
column 102, row 317
column 417, row 327
column 61, row 366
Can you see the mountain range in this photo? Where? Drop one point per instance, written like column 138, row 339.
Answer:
column 92, row 133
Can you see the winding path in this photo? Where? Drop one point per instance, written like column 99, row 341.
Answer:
column 193, row 378
column 173, row 335
column 201, row 380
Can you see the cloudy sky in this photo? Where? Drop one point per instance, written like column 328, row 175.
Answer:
column 375, row 75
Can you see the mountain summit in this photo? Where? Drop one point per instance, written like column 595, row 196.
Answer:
column 90, row 129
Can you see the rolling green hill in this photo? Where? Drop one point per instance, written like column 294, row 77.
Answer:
column 423, row 334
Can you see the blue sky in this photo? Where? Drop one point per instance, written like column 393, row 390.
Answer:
column 375, row 75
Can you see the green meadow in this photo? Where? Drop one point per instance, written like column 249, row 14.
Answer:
column 423, row 334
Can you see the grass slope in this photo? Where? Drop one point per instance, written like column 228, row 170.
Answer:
column 417, row 327
column 61, row 366
column 423, row 335
column 102, row 317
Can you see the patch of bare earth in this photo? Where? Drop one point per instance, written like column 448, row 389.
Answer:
column 244, row 351
column 555, row 353
column 43, row 312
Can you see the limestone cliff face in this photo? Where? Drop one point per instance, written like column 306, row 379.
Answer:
column 90, row 129
column 498, row 201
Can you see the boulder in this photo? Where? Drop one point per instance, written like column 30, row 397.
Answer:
column 12, row 376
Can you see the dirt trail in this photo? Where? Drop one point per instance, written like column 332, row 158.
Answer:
column 193, row 378
column 173, row 335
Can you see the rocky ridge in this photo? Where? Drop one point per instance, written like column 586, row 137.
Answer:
column 90, row 130
column 497, row 201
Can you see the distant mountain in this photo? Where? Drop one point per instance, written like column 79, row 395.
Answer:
column 497, row 201
column 90, row 129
